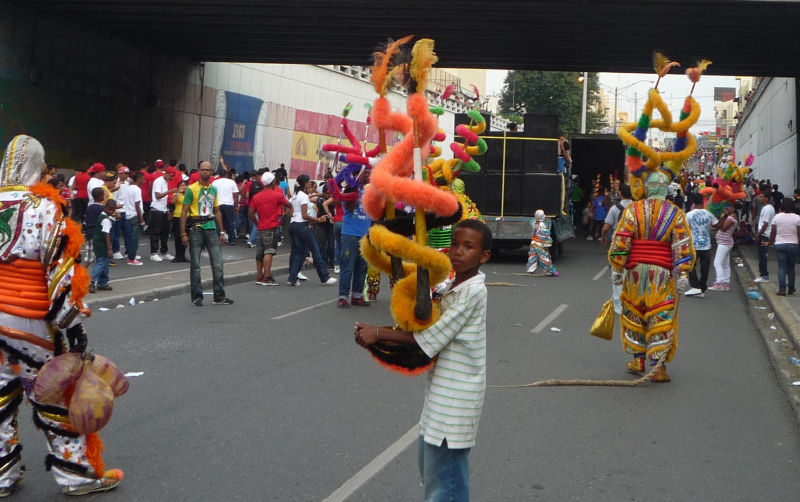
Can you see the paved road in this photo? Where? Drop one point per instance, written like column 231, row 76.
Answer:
column 270, row 399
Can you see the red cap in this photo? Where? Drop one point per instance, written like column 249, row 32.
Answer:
column 159, row 164
column 123, row 169
column 171, row 171
column 97, row 168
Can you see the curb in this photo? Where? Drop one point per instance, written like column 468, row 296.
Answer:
column 779, row 352
column 174, row 290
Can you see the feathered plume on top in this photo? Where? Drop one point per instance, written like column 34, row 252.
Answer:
column 749, row 160
column 383, row 60
column 448, row 91
column 422, row 59
column 694, row 73
column 662, row 64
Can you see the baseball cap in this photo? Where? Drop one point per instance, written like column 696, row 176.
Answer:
column 159, row 163
column 97, row 167
column 123, row 169
column 109, row 175
column 267, row 178
column 171, row 171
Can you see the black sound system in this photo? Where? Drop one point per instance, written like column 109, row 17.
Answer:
column 532, row 180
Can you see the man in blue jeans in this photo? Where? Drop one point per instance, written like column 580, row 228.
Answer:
column 200, row 218
column 355, row 224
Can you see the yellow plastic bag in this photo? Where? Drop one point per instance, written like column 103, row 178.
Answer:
column 603, row 326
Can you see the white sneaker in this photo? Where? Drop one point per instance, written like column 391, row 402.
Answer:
column 330, row 282
column 168, row 257
column 301, row 276
column 701, row 295
column 589, row 238
column 118, row 256
column 336, row 269
column 761, row 279
column 693, row 292
column 155, row 257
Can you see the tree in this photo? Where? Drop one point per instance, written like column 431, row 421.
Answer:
column 552, row 93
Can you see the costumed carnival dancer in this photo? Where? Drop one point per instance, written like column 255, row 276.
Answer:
column 539, row 261
column 653, row 239
column 42, row 286
column 430, row 333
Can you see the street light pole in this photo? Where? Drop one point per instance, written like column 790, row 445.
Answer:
column 583, row 107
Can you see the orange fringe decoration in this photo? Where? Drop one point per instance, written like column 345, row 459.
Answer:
column 380, row 69
column 74, row 239
column 80, row 284
column 94, row 450
column 46, row 190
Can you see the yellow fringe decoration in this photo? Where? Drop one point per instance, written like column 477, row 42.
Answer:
column 422, row 59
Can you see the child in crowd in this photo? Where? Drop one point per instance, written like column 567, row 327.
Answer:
column 102, row 246
column 454, row 393
column 93, row 210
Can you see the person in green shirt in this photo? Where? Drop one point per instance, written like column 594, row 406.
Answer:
column 101, row 239
column 200, row 218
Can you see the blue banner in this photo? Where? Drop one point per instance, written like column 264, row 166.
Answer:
column 241, row 117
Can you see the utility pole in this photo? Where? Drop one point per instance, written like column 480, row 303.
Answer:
column 615, row 109
column 583, row 108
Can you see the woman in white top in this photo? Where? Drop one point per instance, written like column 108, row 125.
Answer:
column 785, row 234
column 722, row 264
column 303, row 240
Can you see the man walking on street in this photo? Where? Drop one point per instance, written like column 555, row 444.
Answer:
column 265, row 212
column 764, row 226
column 700, row 221
column 200, row 218
column 228, row 195
column 134, row 217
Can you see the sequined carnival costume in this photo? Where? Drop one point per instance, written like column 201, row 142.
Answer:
column 653, row 243
column 539, row 261
column 42, row 287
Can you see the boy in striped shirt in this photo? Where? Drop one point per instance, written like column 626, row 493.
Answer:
column 455, row 389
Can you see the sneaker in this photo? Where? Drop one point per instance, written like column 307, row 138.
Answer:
column 112, row 263
column 105, row 288
column 693, row 292
column 269, row 281
column 168, row 257
column 761, row 279
column 791, row 291
column 280, row 243
column 118, row 256
column 96, row 486
column 293, row 283
column 250, row 245
column 301, row 276
column 260, row 282
column 717, row 287
column 336, row 269
column 700, row 295
column 726, row 286
column 8, row 490
column 92, row 288
column 155, row 257
column 135, row 262
column 180, row 260
column 330, row 282
column 224, row 301
column 589, row 238
column 198, row 301
column 342, row 303
column 780, row 293
column 359, row 302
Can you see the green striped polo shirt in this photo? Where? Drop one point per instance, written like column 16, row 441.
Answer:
column 455, row 389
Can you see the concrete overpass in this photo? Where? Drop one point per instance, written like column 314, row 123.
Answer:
column 742, row 37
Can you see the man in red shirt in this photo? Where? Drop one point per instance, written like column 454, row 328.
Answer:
column 80, row 201
column 266, row 209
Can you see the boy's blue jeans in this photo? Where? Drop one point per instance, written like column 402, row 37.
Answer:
column 100, row 271
column 444, row 472
column 354, row 268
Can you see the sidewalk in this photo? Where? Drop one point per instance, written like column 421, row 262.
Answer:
column 786, row 308
column 148, row 287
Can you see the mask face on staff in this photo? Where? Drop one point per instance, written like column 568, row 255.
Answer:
column 656, row 185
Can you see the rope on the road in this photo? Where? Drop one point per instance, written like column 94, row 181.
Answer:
column 554, row 382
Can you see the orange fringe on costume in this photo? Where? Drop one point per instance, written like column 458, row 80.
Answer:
column 80, row 285
column 94, row 450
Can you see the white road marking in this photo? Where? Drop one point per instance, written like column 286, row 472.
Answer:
column 169, row 271
column 600, row 274
column 361, row 478
column 550, row 318
column 304, row 309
